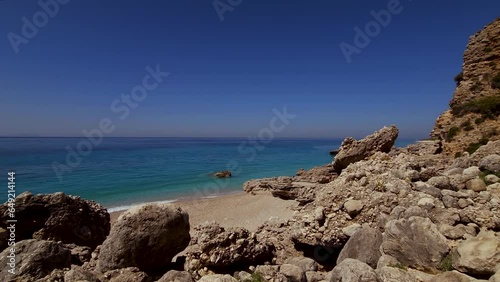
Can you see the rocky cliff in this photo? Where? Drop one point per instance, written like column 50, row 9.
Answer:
column 473, row 117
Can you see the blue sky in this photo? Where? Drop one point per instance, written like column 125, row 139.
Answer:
column 227, row 76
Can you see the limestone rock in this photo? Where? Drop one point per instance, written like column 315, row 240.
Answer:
column 306, row 264
column 452, row 276
column 476, row 185
column 34, row 259
column 353, row 151
column 351, row 270
column 217, row 278
column 479, row 255
column 215, row 247
column 293, row 273
column 78, row 274
column 58, row 217
column 473, row 171
column 415, row 242
column 353, row 207
column 147, row 237
column 480, row 59
column 392, row 274
column 129, row 274
column 364, row 246
column 176, row 276
column 491, row 163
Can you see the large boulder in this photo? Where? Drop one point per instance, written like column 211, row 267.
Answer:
column 479, row 255
column 351, row 270
column 364, row 246
column 58, row 217
column 34, row 259
column 491, row 163
column 352, row 150
column 415, row 242
column 146, row 237
column 217, row 248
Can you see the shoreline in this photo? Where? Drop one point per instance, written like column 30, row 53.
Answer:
column 232, row 209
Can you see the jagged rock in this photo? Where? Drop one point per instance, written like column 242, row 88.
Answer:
column 218, row 278
column 79, row 254
column 480, row 59
column 353, row 151
column 428, row 189
column 147, row 237
column 283, row 187
column 293, row 273
column 415, row 242
column 478, row 255
column 476, row 185
column 34, row 259
column 351, row 270
column 176, row 276
column 58, row 217
column 457, row 232
column 215, row 247
column 129, row 274
column 491, row 163
column 364, row 246
column 318, row 174
column 78, row 274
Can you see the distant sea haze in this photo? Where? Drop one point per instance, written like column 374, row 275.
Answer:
column 122, row 172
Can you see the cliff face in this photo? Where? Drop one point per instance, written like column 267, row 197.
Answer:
column 473, row 117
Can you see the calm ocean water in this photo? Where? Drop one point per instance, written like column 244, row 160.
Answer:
column 124, row 171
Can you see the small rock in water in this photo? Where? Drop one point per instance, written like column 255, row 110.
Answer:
column 223, row 174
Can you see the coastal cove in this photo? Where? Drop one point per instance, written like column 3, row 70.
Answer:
column 122, row 172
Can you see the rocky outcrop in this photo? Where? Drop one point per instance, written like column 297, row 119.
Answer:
column 479, row 255
column 146, row 237
column 216, row 248
column 352, row 150
column 415, row 242
column 34, row 259
column 353, row 270
column 58, row 217
column 473, row 113
column 364, row 246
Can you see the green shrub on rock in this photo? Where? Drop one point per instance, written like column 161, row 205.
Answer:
column 452, row 133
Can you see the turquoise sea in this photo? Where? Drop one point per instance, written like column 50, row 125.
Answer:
column 120, row 172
